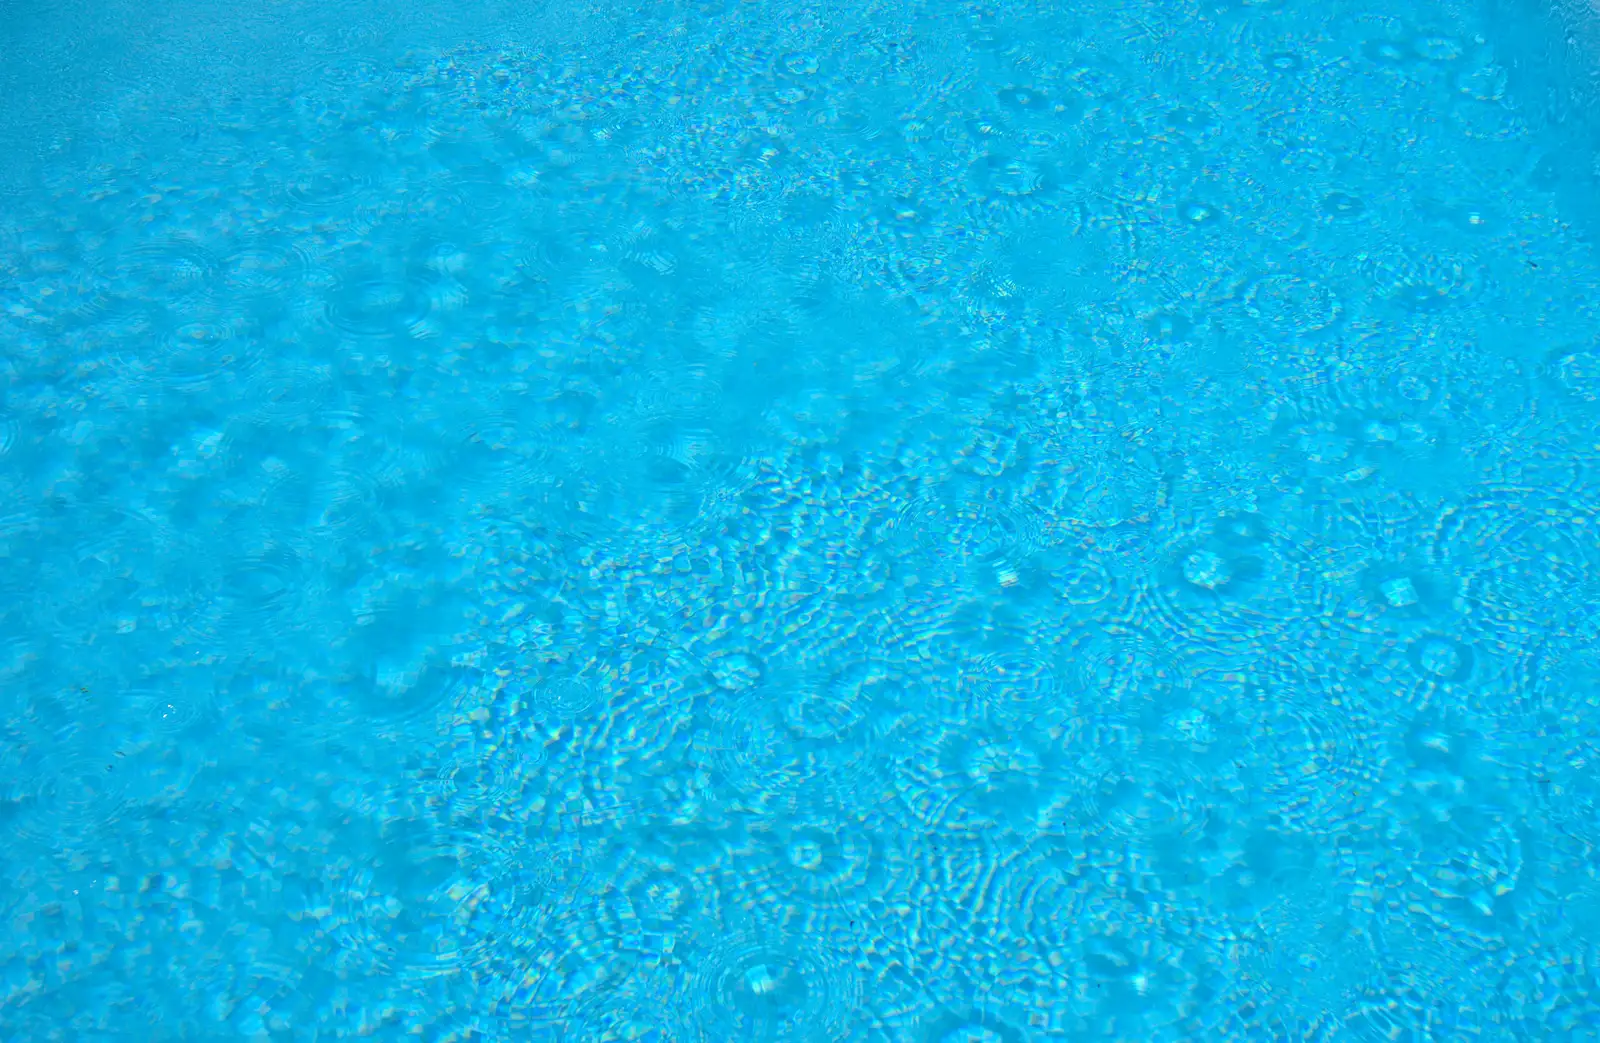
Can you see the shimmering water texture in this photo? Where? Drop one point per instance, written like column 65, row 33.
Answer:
column 889, row 523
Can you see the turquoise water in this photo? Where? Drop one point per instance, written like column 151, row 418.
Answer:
column 724, row 521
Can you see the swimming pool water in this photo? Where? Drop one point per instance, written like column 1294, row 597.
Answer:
column 720, row 521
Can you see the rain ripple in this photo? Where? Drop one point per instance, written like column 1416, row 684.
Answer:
column 262, row 271
column 762, row 985
column 173, row 271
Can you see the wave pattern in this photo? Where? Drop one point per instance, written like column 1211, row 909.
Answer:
column 711, row 521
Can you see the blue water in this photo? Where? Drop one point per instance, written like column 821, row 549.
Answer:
column 720, row 521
